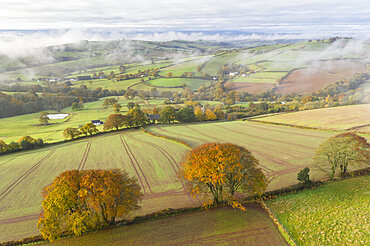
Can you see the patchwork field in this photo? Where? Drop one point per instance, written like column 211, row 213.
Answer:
column 152, row 160
column 282, row 151
column 312, row 79
column 333, row 214
column 253, row 88
column 214, row 65
column 356, row 117
column 223, row 226
column 177, row 82
column 263, row 77
column 29, row 124
column 312, row 65
column 188, row 66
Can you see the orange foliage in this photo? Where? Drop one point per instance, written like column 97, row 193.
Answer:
column 79, row 201
column 221, row 170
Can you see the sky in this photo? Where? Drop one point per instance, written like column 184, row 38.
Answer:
column 190, row 15
column 26, row 25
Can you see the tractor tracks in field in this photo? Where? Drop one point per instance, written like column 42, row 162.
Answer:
column 7, row 161
column 260, row 122
column 175, row 166
column 82, row 163
column 276, row 174
column 268, row 170
column 19, row 219
column 4, row 193
column 136, row 166
column 271, row 174
column 179, row 134
column 264, row 138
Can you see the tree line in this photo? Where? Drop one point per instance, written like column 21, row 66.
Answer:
column 50, row 98
column 24, row 143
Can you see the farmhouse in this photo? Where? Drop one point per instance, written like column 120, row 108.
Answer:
column 154, row 117
column 97, row 122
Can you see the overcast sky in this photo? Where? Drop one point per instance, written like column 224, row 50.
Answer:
column 188, row 15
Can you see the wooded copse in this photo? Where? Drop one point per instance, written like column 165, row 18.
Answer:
column 80, row 201
column 51, row 98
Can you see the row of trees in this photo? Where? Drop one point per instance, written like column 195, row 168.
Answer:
column 189, row 113
column 134, row 117
column 153, row 72
column 24, row 143
column 87, row 129
column 25, row 103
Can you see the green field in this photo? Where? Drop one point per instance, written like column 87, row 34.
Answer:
column 107, row 83
column 188, row 66
column 173, row 82
column 281, row 66
column 282, row 151
column 340, row 118
column 214, row 65
column 261, row 77
column 29, row 124
column 332, row 214
column 223, row 226
column 145, row 87
column 154, row 161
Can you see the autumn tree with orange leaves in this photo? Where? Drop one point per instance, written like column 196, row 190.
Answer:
column 218, row 171
column 80, row 201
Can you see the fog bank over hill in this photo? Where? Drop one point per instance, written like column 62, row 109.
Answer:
column 30, row 43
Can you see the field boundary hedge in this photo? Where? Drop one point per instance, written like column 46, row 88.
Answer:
column 165, row 137
column 169, row 212
column 298, row 187
column 295, row 126
column 172, row 212
column 301, row 127
column 279, row 226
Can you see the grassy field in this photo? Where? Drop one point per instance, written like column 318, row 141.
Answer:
column 282, row 151
column 223, row 226
column 261, row 77
column 333, row 214
column 341, row 118
column 154, row 161
column 281, row 66
column 188, row 66
column 214, row 65
column 17, row 126
column 145, row 87
column 172, row 82
column 107, row 83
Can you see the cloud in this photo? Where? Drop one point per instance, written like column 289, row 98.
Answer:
column 15, row 44
column 340, row 49
column 174, row 15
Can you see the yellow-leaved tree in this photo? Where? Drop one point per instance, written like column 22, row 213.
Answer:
column 218, row 171
column 80, row 201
